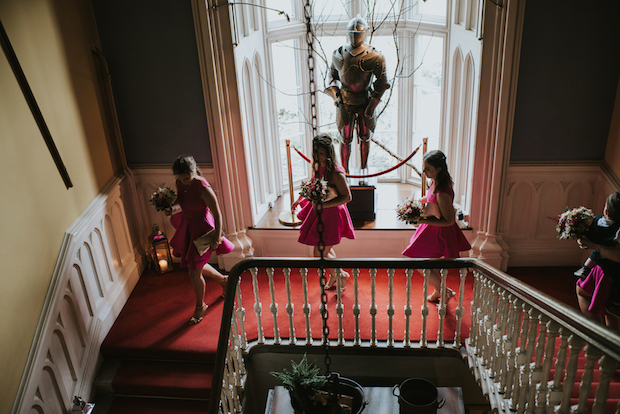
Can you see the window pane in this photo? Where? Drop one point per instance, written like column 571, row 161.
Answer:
column 280, row 5
column 289, row 103
column 386, row 129
column 323, row 10
column 427, row 88
column 433, row 10
column 377, row 9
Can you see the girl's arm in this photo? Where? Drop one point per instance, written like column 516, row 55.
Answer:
column 209, row 198
column 446, row 211
column 344, row 193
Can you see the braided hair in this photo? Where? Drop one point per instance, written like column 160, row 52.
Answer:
column 437, row 159
column 324, row 141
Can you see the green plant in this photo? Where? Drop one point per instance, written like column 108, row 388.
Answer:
column 303, row 382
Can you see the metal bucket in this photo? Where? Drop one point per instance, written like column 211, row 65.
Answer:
column 417, row 396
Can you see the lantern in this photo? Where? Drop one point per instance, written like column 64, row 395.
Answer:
column 160, row 251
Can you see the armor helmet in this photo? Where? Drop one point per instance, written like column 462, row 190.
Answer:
column 357, row 29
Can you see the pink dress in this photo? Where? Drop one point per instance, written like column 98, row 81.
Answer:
column 597, row 285
column 194, row 221
column 434, row 241
column 337, row 222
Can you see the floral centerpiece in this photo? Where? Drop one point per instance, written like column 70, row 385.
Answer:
column 573, row 223
column 314, row 190
column 409, row 211
column 163, row 198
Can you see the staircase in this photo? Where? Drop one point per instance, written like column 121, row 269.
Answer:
column 155, row 363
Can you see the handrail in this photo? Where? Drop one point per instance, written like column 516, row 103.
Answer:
column 593, row 332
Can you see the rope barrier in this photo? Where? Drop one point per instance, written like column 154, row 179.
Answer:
column 366, row 175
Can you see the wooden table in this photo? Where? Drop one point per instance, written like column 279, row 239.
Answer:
column 380, row 400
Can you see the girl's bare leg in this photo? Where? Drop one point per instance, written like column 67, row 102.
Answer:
column 210, row 272
column 331, row 254
column 584, row 299
column 199, row 284
column 434, row 279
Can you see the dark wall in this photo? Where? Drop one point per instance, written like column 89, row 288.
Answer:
column 568, row 78
column 151, row 51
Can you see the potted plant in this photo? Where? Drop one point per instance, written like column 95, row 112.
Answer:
column 303, row 384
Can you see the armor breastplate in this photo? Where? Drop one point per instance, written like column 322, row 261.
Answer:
column 356, row 73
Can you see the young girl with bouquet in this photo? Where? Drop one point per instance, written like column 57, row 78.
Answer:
column 335, row 215
column 438, row 234
column 199, row 213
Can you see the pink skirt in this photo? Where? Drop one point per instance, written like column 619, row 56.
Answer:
column 598, row 286
column 435, row 242
column 182, row 243
column 336, row 220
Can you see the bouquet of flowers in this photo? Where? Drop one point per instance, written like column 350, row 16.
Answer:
column 573, row 223
column 314, row 190
column 163, row 198
column 409, row 211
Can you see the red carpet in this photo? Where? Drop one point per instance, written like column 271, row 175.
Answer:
column 162, row 356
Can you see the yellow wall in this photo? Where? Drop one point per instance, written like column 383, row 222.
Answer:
column 53, row 41
column 612, row 153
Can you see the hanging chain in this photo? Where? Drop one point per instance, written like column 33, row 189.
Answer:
column 319, row 206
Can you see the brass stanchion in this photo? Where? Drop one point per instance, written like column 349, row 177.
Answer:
column 288, row 218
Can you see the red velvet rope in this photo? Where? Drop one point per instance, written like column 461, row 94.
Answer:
column 368, row 175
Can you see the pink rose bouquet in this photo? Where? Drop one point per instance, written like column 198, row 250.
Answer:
column 314, row 190
column 409, row 211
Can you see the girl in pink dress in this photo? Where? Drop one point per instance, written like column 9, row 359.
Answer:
column 335, row 215
column 438, row 235
column 198, row 213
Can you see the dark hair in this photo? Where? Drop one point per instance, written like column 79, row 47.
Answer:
column 613, row 207
column 324, row 141
column 437, row 159
column 185, row 164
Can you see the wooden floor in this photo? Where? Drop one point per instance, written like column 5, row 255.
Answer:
column 388, row 196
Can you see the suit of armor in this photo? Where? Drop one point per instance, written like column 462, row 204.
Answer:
column 354, row 67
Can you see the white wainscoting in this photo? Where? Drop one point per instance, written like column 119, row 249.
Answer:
column 537, row 192
column 97, row 268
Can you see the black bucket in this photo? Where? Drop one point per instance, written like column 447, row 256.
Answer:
column 417, row 396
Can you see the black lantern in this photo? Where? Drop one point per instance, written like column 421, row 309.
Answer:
column 160, row 251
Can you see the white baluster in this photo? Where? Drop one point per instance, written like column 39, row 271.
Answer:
column 575, row 344
column 510, row 344
column 520, row 351
column 339, row 308
column 424, row 310
column 607, row 367
column 235, row 348
column 390, row 308
column 543, row 386
column 460, row 309
column 442, row 307
column 592, row 354
column 554, row 395
column 408, row 310
column 306, row 308
column 373, row 308
column 240, row 312
column 474, row 308
column 499, row 363
column 274, row 307
column 525, row 386
column 290, row 307
column 356, row 306
column 258, row 307
column 536, row 367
